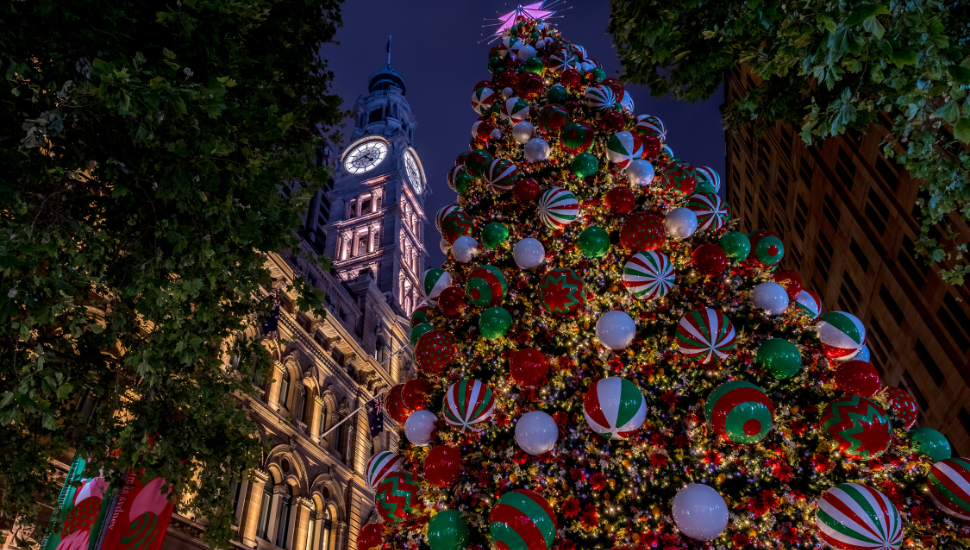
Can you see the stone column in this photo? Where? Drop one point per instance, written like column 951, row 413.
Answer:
column 315, row 428
column 342, row 542
column 303, row 509
column 250, row 513
column 274, row 512
column 273, row 393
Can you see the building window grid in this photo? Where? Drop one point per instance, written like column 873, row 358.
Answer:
column 928, row 363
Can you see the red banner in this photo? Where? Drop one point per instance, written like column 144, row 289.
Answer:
column 141, row 517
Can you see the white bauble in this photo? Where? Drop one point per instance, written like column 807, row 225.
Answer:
column 639, row 172
column 700, row 512
column 419, row 427
column 507, row 92
column 616, row 330
column 540, row 27
column 445, row 246
column 464, row 249
column 525, row 52
column 541, row 44
column 536, row 433
column 537, row 149
column 528, row 253
column 522, row 131
column 771, row 297
column 681, row 223
column 496, row 134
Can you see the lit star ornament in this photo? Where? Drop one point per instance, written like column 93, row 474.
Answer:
column 529, row 11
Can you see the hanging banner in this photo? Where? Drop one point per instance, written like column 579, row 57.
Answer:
column 140, row 519
column 80, row 511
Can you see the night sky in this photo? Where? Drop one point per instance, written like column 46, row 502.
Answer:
column 436, row 50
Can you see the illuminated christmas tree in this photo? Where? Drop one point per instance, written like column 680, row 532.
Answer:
column 605, row 361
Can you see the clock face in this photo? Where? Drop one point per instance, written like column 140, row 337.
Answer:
column 365, row 157
column 414, row 175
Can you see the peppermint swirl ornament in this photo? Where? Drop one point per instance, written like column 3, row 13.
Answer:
column 949, row 485
column 599, row 98
column 712, row 213
column 379, row 466
column 561, row 60
column 501, row 175
column 558, row 208
column 704, row 334
column 649, row 275
column 859, row 426
column 614, row 407
column 522, row 520
column 857, row 517
column 561, row 291
column 486, row 286
column 709, row 179
column 468, row 404
column 648, row 125
column 739, row 412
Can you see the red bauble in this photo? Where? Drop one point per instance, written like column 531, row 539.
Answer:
column 614, row 85
column 528, row 367
column 621, row 200
column 396, row 405
column 552, row 118
column 903, row 406
column 443, row 466
column 709, row 260
column 652, row 146
column 451, row 301
column 526, row 190
column 462, row 157
column 484, row 84
column 370, row 537
column 416, row 393
column 434, row 351
column 506, row 79
column 483, row 130
column 858, row 378
column 612, row 122
column 570, row 78
column 642, row 232
column 529, row 86
column 791, row 281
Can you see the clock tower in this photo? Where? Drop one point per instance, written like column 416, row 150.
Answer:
column 377, row 222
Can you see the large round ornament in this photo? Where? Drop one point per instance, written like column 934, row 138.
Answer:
column 649, row 275
column 576, row 137
column 468, row 404
column 418, row 331
column 528, row 86
column 486, row 286
column 791, row 280
column 536, row 433
column 455, row 225
column 447, row 530
column 709, row 260
column 515, row 110
column 594, row 242
column 780, row 357
column 599, row 98
column 397, row 497
column 494, row 322
column 863, row 354
column 859, row 427
column 615, row 330
column 501, row 175
column 808, row 302
column 528, row 253
column 434, row 351
column 770, row 297
column 561, row 60
column 740, row 412
column 464, row 249
column 433, row 282
column 483, row 130
column 679, row 179
column 614, row 407
column 708, row 179
column 621, row 200
column 419, row 427
column 680, row 223
column 561, row 291
column 842, row 335
column 444, row 211
column 584, row 165
column 522, row 520
column 700, row 512
column 443, row 466
column 622, row 147
column 712, row 213
column 648, row 125
column 451, row 301
column 736, row 245
column 557, row 94
column 552, row 118
column 395, row 405
column 370, row 537
column 522, row 132
column 931, row 443
column 421, row 314
column 903, row 406
column 858, row 378
column 642, row 232
column 415, row 393
column 639, row 172
column 528, row 367
column 949, row 485
column 536, row 150
column 476, row 162
column 856, row 517
column 767, row 249
column 705, row 334
column 458, row 181
column 379, row 466
column 558, row 207
column 482, row 100
column 526, row 190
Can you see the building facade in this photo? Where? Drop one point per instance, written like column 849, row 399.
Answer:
column 848, row 217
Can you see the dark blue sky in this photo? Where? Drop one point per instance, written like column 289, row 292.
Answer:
column 436, row 50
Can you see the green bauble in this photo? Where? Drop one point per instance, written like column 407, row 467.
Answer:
column 418, row 330
column 585, row 165
column 704, row 187
column 496, row 65
column 494, row 322
column 736, row 245
column 557, row 94
column 534, row 65
column 597, row 74
column 494, row 234
column 594, row 241
column 931, row 443
column 461, row 182
column 448, row 530
column 780, row 357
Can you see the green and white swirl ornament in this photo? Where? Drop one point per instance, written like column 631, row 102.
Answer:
column 842, row 335
column 712, row 213
column 649, row 275
column 809, row 302
column 614, row 407
column 852, row 516
column 558, row 207
column 433, row 282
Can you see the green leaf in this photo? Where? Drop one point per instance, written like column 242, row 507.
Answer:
column 960, row 74
column 949, row 112
column 873, row 26
column 961, row 130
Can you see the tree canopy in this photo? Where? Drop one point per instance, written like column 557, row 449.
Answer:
column 142, row 149
column 826, row 66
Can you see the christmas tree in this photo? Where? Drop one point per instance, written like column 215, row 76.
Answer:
column 606, row 361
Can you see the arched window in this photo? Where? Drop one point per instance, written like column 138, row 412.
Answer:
column 327, row 529
column 235, row 489
column 305, row 397
column 284, row 389
column 262, row 526
column 335, row 437
column 375, row 116
column 283, row 521
column 380, row 349
column 323, row 421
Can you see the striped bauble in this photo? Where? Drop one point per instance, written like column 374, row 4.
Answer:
column 648, row 125
column 561, row 59
column 851, row 516
column 623, row 147
column 808, row 302
column 379, row 466
column 708, row 178
column 712, row 213
column 501, row 175
column 739, row 412
column 468, row 404
column 649, row 275
column 949, row 485
column 522, row 520
column 558, row 207
column 599, row 98
column 614, row 407
column 705, row 334
column 842, row 335
column 515, row 110
column 433, row 282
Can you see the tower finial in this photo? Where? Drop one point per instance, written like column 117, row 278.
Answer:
column 389, row 49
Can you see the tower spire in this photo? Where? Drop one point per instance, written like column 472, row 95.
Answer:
column 389, row 50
